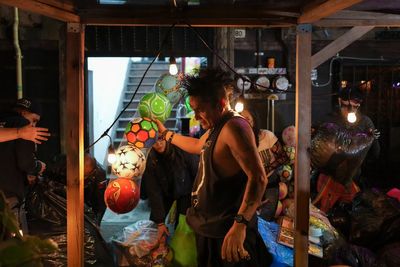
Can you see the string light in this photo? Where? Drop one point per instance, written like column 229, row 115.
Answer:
column 173, row 69
column 351, row 117
column 111, row 157
column 239, row 104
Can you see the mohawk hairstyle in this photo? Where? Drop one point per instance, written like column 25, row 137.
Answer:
column 209, row 85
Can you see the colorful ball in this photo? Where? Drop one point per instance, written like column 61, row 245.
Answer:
column 187, row 104
column 122, row 195
column 141, row 132
column 290, row 152
column 194, row 125
column 170, row 86
column 155, row 106
column 285, row 173
column 130, row 162
column 283, row 190
column 289, row 136
column 278, row 210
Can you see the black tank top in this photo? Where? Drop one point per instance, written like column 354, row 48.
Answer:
column 215, row 199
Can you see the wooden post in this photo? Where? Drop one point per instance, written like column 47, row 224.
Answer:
column 303, row 137
column 74, row 143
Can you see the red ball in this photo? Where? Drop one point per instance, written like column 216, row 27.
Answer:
column 122, row 195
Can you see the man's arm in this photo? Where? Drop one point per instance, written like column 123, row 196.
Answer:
column 189, row 144
column 34, row 134
column 240, row 139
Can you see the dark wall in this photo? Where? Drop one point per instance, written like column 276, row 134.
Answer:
column 40, row 72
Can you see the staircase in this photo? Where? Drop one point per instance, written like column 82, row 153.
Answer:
column 135, row 73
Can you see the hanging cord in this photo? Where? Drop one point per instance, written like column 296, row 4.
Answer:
column 340, row 57
column 230, row 68
column 137, row 89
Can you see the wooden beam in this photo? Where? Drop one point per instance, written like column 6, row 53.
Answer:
column 334, row 23
column 74, row 143
column 44, row 9
column 303, row 141
column 315, row 12
column 197, row 16
column 67, row 5
column 363, row 15
column 340, row 43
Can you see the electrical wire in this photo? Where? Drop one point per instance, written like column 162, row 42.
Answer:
column 137, row 88
column 232, row 69
column 341, row 57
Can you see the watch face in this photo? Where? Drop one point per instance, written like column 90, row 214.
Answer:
column 243, row 84
column 281, row 83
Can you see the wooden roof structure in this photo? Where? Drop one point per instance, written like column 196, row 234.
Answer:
column 361, row 15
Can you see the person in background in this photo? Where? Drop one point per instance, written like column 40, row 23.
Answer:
column 230, row 181
column 95, row 181
column 269, row 147
column 34, row 134
column 169, row 176
column 17, row 157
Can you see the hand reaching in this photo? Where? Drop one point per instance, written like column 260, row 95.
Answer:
column 161, row 127
column 162, row 232
column 34, row 134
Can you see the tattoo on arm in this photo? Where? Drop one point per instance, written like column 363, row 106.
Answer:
column 252, row 192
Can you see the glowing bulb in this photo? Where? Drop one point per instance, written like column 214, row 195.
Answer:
column 351, row 117
column 173, row 69
column 111, row 157
column 239, row 106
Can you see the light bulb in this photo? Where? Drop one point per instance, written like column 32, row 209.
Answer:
column 111, row 157
column 173, row 69
column 351, row 117
column 239, row 106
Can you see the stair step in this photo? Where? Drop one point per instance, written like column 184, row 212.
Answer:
column 136, row 80
column 150, row 72
column 136, row 84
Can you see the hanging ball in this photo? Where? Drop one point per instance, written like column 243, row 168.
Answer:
column 170, row 86
column 278, row 210
column 122, row 195
column 187, row 104
column 291, row 153
column 285, row 173
column 289, row 136
column 130, row 162
column 283, row 190
column 141, row 132
column 155, row 106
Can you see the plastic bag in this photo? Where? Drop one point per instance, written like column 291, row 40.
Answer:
column 282, row 255
column 183, row 244
column 339, row 151
column 374, row 217
column 141, row 237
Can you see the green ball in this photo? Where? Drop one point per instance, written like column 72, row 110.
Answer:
column 187, row 104
column 155, row 106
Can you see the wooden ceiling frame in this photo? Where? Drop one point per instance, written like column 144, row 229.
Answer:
column 50, row 8
column 202, row 16
column 317, row 10
column 350, row 18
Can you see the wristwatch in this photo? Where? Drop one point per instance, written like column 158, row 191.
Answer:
column 239, row 218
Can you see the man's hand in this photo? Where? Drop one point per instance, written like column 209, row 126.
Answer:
column 232, row 247
column 34, row 134
column 161, row 127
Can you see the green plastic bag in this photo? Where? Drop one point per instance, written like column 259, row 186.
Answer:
column 183, row 244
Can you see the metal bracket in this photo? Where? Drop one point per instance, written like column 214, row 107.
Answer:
column 304, row 28
column 73, row 27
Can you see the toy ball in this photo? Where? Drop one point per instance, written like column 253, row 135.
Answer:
column 285, row 173
column 170, row 86
column 122, row 195
column 290, row 152
column 130, row 162
column 187, row 104
column 155, row 106
column 289, row 136
column 194, row 125
column 278, row 210
column 283, row 190
column 141, row 132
